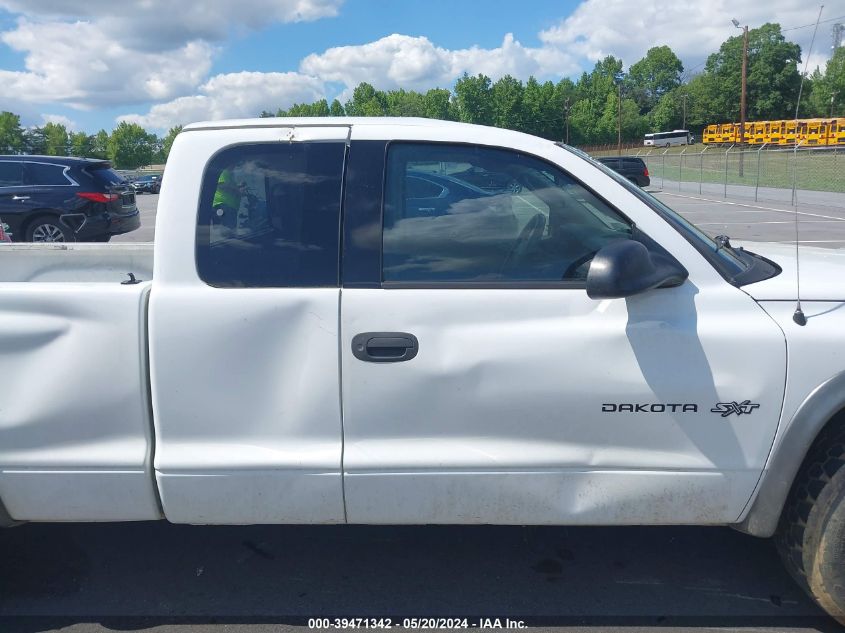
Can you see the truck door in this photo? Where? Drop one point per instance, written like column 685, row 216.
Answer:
column 482, row 385
column 244, row 327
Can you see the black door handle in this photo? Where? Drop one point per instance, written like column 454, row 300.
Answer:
column 385, row 347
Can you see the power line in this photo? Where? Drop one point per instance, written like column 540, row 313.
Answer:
column 793, row 28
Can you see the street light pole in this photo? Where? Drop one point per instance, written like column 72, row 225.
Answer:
column 743, row 91
column 832, row 101
column 684, row 124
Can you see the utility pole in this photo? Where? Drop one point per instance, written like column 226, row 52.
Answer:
column 619, row 125
column 743, row 92
column 566, row 118
column 832, row 101
column 684, row 124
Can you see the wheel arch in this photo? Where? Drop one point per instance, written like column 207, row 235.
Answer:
column 824, row 407
column 37, row 214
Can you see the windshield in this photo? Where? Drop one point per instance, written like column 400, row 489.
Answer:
column 727, row 262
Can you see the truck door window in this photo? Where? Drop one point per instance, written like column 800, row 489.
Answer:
column 269, row 216
column 497, row 216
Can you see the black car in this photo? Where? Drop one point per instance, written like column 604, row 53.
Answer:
column 57, row 199
column 147, row 184
column 631, row 167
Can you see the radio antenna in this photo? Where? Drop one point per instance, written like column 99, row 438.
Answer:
column 798, row 316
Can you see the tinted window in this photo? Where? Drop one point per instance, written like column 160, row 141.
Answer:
column 420, row 187
column 43, row 174
column 106, row 176
column 633, row 163
column 11, row 174
column 531, row 222
column 728, row 265
column 269, row 216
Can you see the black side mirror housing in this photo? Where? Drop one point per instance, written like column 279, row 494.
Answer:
column 624, row 268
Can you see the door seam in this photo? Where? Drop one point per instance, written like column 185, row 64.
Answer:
column 340, row 400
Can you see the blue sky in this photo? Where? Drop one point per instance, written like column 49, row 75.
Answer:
column 159, row 62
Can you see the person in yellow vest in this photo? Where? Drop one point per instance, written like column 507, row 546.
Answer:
column 227, row 199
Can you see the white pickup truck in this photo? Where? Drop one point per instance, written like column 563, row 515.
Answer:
column 413, row 321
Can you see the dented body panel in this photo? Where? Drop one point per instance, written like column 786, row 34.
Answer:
column 173, row 398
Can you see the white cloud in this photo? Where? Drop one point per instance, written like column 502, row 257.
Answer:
column 156, row 24
column 80, row 65
column 102, row 53
column 402, row 61
column 693, row 30
column 60, row 119
column 232, row 95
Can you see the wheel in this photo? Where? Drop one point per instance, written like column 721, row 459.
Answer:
column 668, row 145
column 811, row 535
column 47, row 228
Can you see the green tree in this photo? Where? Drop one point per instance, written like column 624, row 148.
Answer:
column 473, row 99
column 506, row 96
column 167, row 142
column 130, row 146
column 56, row 139
column 404, row 103
column 666, row 114
column 594, row 92
column 366, row 101
column 35, row 142
column 336, row 108
column 654, row 76
column 11, row 134
column 80, row 144
column 773, row 79
column 100, row 145
column 828, row 92
column 437, row 104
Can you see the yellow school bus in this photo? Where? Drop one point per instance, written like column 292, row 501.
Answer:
column 808, row 132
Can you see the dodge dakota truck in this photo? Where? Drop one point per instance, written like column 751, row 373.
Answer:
column 403, row 321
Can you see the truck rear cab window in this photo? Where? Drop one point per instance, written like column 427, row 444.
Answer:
column 269, row 216
column 491, row 216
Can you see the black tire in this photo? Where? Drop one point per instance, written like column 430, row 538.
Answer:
column 48, row 228
column 811, row 535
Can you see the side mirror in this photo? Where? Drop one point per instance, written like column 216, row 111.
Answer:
column 625, row 268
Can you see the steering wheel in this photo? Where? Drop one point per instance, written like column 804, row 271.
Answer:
column 570, row 270
column 529, row 237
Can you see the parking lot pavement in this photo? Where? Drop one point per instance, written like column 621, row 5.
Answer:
column 740, row 219
column 145, row 575
column 147, row 204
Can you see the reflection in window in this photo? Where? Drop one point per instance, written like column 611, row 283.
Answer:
column 473, row 214
column 269, row 216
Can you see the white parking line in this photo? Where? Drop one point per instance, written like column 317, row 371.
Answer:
column 767, row 222
column 528, row 202
column 814, row 242
column 755, row 206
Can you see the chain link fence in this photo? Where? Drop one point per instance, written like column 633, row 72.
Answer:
column 789, row 176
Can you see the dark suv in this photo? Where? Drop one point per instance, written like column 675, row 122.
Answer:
column 631, row 167
column 147, row 184
column 57, row 199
